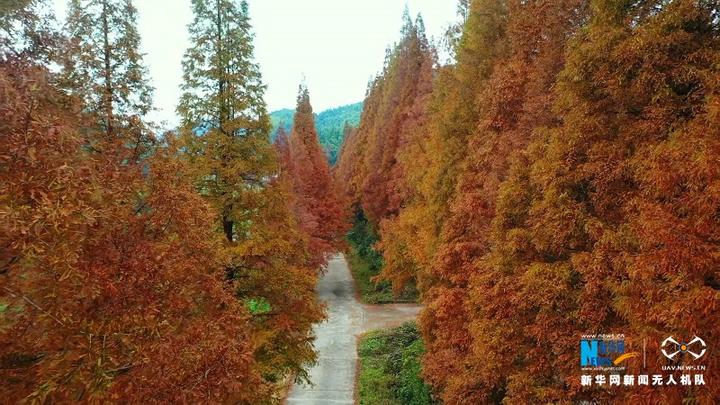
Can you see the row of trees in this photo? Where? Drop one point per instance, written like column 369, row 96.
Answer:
column 560, row 177
column 140, row 267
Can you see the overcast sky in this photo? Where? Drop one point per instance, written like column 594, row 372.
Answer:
column 337, row 44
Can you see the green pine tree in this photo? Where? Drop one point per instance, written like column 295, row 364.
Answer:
column 226, row 131
column 225, row 121
column 27, row 31
column 104, row 66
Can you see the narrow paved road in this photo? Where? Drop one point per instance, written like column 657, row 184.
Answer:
column 336, row 339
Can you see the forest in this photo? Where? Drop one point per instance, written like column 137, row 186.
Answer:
column 560, row 177
column 139, row 266
column 547, row 170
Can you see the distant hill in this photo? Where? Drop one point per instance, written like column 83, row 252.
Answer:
column 281, row 117
column 330, row 124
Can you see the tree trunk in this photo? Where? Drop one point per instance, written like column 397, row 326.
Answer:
column 228, row 228
column 108, row 93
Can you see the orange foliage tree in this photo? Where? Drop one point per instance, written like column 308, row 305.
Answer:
column 406, row 85
column 565, row 182
column 375, row 170
column 118, row 280
column 393, row 111
column 608, row 223
column 234, row 167
column 104, row 295
column 514, row 100
column 345, row 171
column 407, row 154
column 318, row 208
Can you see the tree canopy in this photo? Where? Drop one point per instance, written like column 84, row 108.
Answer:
column 562, row 181
column 137, row 267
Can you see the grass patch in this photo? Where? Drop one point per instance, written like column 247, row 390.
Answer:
column 365, row 263
column 363, row 272
column 390, row 368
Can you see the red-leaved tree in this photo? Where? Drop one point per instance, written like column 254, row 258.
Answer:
column 110, row 285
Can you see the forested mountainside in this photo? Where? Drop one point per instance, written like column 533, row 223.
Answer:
column 330, row 125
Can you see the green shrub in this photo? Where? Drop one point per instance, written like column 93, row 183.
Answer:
column 390, row 367
column 412, row 389
column 363, row 238
column 366, row 263
column 258, row 306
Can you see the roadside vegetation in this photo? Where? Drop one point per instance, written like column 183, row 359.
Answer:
column 366, row 263
column 390, row 367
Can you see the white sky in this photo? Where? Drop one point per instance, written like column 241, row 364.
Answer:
column 337, row 44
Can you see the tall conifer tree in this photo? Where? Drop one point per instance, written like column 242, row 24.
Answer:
column 233, row 165
column 514, row 102
column 224, row 114
column 26, row 31
column 394, row 121
column 439, row 146
column 403, row 86
column 103, row 65
column 101, row 301
column 610, row 221
column 322, row 215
